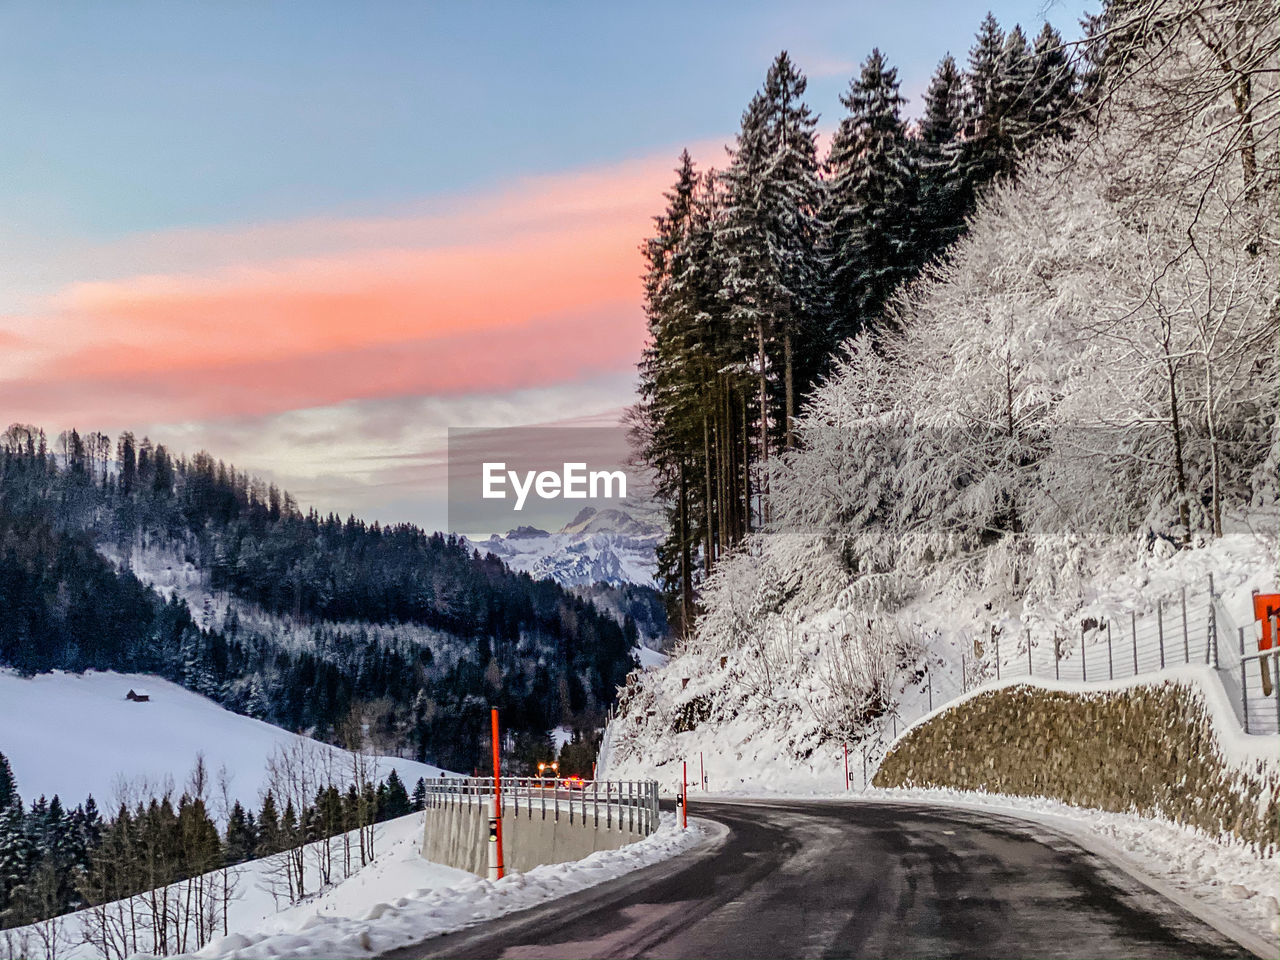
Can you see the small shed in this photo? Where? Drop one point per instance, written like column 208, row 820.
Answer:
column 138, row 695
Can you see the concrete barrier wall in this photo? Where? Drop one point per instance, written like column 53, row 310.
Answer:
column 457, row 834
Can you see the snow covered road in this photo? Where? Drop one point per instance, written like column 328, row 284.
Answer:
column 817, row 879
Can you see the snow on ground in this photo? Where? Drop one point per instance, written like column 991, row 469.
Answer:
column 397, row 899
column 650, row 659
column 401, row 899
column 76, row 735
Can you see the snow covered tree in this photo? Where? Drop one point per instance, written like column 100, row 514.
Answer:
column 769, row 236
column 870, row 201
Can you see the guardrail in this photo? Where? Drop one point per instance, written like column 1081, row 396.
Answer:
column 621, row 804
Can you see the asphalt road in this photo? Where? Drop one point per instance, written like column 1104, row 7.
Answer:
column 808, row 879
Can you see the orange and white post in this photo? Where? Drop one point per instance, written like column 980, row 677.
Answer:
column 496, row 870
column 684, row 795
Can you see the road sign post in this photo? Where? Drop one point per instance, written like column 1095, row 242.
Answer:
column 496, row 870
column 684, row 795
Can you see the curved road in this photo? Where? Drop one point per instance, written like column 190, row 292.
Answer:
column 811, row 879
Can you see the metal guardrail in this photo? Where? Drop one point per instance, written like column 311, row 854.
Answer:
column 615, row 804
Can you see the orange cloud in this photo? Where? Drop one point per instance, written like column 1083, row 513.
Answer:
column 523, row 286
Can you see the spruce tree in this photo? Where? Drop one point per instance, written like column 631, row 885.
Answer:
column 17, row 850
column 269, row 839
column 941, row 176
column 983, row 140
column 8, row 786
column 770, row 241
column 396, row 803
column 1053, row 86
column 871, row 200
column 240, row 841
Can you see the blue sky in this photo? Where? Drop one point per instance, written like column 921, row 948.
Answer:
column 133, row 116
column 311, row 237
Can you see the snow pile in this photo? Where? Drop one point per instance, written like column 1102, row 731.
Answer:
column 76, row 735
column 402, row 899
column 397, row 899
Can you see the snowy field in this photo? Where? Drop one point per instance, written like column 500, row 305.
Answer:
column 397, row 899
column 76, row 735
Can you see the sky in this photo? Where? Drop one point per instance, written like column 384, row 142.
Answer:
column 312, row 237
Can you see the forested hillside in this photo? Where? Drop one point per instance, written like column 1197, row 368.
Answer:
column 1083, row 385
column 319, row 614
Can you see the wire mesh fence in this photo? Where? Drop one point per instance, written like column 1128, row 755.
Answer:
column 1192, row 627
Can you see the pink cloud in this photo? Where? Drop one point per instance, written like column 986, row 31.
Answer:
column 522, row 286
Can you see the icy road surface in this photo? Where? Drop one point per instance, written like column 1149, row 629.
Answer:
column 813, row 879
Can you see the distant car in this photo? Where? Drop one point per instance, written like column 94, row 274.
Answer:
column 575, row 783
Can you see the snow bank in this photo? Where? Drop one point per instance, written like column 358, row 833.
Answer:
column 402, row 899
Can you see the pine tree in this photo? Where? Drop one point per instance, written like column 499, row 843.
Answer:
column 984, row 137
column 770, row 240
column 17, row 850
column 269, row 838
column 240, row 840
column 871, row 201
column 420, row 794
column 1053, row 86
column 8, row 786
column 942, row 196
column 396, row 801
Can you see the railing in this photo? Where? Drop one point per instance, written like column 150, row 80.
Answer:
column 614, row 804
column 1253, row 683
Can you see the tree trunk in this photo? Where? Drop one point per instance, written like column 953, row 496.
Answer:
column 1179, row 468
column 706, row 491
column 790, row 386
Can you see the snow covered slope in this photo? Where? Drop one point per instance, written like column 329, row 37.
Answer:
column 397, row 899
column 76, row 735
column 767, row 693
column 610, row 546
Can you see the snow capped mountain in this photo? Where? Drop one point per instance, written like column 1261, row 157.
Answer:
column 610, row 546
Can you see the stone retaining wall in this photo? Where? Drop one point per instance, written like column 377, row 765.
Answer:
column 1150, row 750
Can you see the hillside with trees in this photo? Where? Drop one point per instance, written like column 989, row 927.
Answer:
column 314, row 615
column 1077, row 382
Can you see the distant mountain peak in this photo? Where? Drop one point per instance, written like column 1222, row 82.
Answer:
column 611, row 546
column 524, row 533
